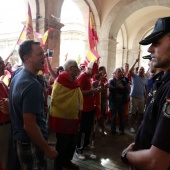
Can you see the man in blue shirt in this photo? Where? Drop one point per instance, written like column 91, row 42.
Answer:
column 138, row 95
column 27, row 109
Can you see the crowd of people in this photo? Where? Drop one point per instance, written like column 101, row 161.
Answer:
column 72, row 96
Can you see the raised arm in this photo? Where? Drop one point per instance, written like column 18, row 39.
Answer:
column 51, row 71
column 132, row 67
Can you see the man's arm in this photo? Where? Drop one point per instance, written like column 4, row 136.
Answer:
column 91, row 91
column 36, row 137
column 51, row 71
column 132, row 67
column 149, row 159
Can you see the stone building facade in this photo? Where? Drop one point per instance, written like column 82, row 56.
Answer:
column 120, row 24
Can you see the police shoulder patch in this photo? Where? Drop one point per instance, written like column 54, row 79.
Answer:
column 166, row 109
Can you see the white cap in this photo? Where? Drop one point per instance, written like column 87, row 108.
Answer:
column 90, row 65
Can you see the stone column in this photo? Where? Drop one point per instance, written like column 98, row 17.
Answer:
column 40, row 22
column 132, row 56
column 102, row 49
column 107, row 51
column 125, row 55
column 111, row 56
column 53, row 41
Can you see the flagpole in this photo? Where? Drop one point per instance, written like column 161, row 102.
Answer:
column 6, row 60
column 19, row 37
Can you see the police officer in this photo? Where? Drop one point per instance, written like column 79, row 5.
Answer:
column 151, row 149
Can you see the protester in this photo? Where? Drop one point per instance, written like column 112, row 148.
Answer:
column 104, row 81
column 7, row 154
column 138, row 95
column 151, row 149
column 88, row 112
column 118, row 94
column 27, row 109
column 53, row 73
column 66, row 102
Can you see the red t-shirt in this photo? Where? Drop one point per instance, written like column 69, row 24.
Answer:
column 84, row 82
column 3, row 94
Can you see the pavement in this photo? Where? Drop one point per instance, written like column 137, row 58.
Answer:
column 105, row 152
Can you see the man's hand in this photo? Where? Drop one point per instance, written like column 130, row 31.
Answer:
column 4, row 105
column 137, row 60
column 131, row 147
column 51, row 153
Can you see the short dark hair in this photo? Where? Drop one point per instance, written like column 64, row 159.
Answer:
column 101, row 68
column 59, row 69
column 26, row 48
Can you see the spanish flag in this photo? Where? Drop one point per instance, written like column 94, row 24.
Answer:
column 66, row 102
column 29, row 27
column 92, row 54
column 42, row 38
column 22, row 36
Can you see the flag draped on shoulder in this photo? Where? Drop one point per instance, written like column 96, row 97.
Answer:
column 29, row 26
column 66, row 102
column 92, row 54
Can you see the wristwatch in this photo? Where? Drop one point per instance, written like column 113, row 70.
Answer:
column 123, row 157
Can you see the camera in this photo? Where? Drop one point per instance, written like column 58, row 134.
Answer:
column 49, row 52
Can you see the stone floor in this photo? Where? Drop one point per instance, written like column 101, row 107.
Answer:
column 107, row 149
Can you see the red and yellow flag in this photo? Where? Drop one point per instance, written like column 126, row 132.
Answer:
column 66, row 102
column 42, row 38
column 92, row 54
column 29, row 27
column 22, row 36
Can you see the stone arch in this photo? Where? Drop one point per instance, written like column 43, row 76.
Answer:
column 119, row 14
column 83, row 6
column 129, row 9
column 110, row 19
column 84, row 9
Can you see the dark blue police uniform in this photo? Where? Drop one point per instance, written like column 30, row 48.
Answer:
column 154, row 129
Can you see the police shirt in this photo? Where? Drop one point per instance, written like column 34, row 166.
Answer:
column 155, row 128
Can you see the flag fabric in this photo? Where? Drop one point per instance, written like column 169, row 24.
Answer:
column 42, row 38
column 66, row 102
column 45, row 36
column 29, row 27
column 22, row 36
column 92, row 34
column 92, row 54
